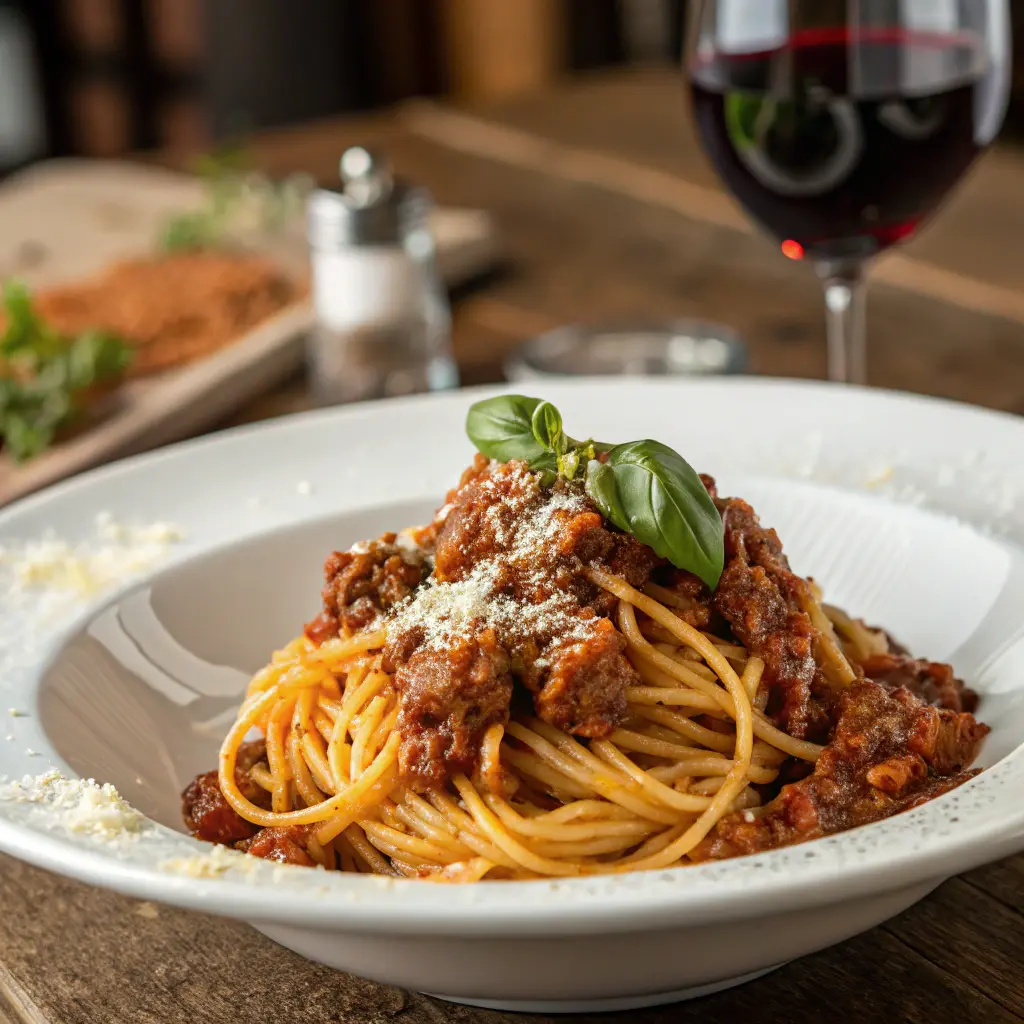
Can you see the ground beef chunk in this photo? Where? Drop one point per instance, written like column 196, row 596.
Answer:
column 889, row 752
column 482, row 518
column 448, row 700
column 486, row 518
column 624, row 556
column 209, row 816
column 584, row 685
column 761, row 599
column 284, row 845
column 932, row 682
column 532, row 544
column 361, row 583
column 581, row 535
column 700, row 611
column 631, row 560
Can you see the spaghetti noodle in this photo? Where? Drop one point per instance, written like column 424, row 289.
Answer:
column 701, row 751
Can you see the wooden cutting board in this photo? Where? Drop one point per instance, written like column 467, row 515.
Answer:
column 68, row 218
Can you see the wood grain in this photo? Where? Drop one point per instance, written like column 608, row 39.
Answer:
column 643, row 117
column 1003, row 880
column 708, row 205
column 117, row 961
column 581, row 252
column 971, row 934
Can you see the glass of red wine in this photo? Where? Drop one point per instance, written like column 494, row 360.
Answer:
column 842, row 124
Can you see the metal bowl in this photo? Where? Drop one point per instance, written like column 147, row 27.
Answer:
column 679, row 348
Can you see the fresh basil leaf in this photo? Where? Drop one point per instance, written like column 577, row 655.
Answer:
column 502, row 428
column 546, row 425
column 601, row 486
column 652, row 492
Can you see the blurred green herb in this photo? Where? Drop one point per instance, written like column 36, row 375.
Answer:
column 236, row 199
column 45, row 375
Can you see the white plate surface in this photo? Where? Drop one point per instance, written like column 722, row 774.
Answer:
column 904, row 509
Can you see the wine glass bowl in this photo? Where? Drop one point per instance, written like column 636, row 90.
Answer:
column 841, row 125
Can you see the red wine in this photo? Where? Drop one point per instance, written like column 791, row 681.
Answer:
column 839, row 148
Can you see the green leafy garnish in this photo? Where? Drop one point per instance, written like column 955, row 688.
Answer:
column 502, row 428
column 652, row 492
column 643, row 487
column 192, row 230
column 546, row 424
column 235, row 197
column 46, row 376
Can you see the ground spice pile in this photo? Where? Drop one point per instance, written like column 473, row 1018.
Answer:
column 172, row 309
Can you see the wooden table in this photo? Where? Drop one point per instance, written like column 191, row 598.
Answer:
column 607, row 210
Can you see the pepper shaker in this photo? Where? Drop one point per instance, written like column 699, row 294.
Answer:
column 383, row 326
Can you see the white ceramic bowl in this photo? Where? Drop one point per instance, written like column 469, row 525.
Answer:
column 903, row 509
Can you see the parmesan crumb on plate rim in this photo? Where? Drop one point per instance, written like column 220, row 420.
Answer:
column 97, row 814
column 115, row 553
column 77, row 805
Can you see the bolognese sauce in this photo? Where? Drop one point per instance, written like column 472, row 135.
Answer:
column 492, row 646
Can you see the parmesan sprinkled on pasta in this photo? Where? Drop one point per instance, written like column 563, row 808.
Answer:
column 450, row 611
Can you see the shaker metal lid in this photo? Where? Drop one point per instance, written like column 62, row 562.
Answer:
column 371, row 208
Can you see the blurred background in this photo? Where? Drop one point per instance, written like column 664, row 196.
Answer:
column 104, row 77
column 557, row 141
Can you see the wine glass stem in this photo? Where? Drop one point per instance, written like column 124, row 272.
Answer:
column 844, row 321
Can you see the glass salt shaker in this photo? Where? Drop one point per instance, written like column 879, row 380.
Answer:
column 383, row 326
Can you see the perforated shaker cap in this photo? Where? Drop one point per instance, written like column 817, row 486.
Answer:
column 371, row 208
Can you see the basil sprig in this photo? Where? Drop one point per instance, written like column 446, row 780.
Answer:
column 502, row 428
column 643, row 487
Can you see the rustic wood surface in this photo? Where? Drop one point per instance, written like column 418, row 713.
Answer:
column 607, row 210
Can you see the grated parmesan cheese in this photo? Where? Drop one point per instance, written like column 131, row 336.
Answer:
column 526, row 526
column 87, row 568
column 213, row 864
column 81, row 805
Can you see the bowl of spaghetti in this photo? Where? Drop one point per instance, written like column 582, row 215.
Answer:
column 456, row 712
